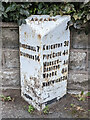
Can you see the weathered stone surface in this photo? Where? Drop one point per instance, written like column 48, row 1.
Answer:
column 78, row 87
column 89, row 55
column 79, row 39
column 0, row 51
column 8, row 25
column 77, row 77
column 89, row 61
column 77, row 60
column 89, row 41
column 76, row 91
column 10, row 77
column 10, row 58
column 10, row 38
column 77, row 82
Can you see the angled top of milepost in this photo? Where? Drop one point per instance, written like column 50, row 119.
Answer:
column 42, row 24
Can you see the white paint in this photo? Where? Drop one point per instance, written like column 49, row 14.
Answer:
column 40, row 33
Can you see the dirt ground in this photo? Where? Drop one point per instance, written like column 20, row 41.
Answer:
column 67, row 107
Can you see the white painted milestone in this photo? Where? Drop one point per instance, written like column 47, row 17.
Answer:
column 44, row 53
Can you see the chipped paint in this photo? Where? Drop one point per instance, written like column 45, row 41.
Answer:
column 39, row 36
column 44, row 59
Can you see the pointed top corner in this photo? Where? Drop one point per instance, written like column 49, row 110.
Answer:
column 42, row 24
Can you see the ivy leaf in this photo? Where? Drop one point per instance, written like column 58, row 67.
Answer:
column 0, row 14
column 23, row 21
column 1, row 7
column 67, row 9
column 30, row 11
column 79, row 15
column 11, row 8
column 61, row 12
column 19, row 22
column 25, row 6
column 88, row 16
column 35, row 10
column 40, row 6
column 51, row 13
column 5, row 15
column 24, row 12
column 75, row 16
column 39, row 12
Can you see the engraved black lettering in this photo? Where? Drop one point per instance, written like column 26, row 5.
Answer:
column 43, row 47
column 38, row 48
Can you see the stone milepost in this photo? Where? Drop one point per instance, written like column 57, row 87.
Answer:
column 44, row 53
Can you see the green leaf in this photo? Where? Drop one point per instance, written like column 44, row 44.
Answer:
column 39, row 12
column 75, row 16
column 35, row 10
column 11, row 8
column 5, row 15
column 31, row 109
column 82, row 92
column 0, row 14
column 51, row 13
column 46, row 110
column 67, row 9
column 24, row 12
column 72, row 105
column 81, row 99
column 19, row 22
column 88, row 16
column 2, row 7
column 88, row 94
column 40, row 6
column 2, row 96
column 61, row 12
column 30, row 11
column 23, row 21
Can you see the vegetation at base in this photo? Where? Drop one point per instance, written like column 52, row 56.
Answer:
column 6, row 98
column 31, row 109
column 46, row 110
column 18, row 12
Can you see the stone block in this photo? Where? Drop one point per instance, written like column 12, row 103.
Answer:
column 78, row 86
column 10, row 77
column 76, row 91
column 89, row 55
column 10, row 58
column 79, row 39
column 78, row 60
column 77, row 77
column 10, row 38
column 77, row 82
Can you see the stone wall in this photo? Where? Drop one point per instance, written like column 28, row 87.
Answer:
column 78, row 61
